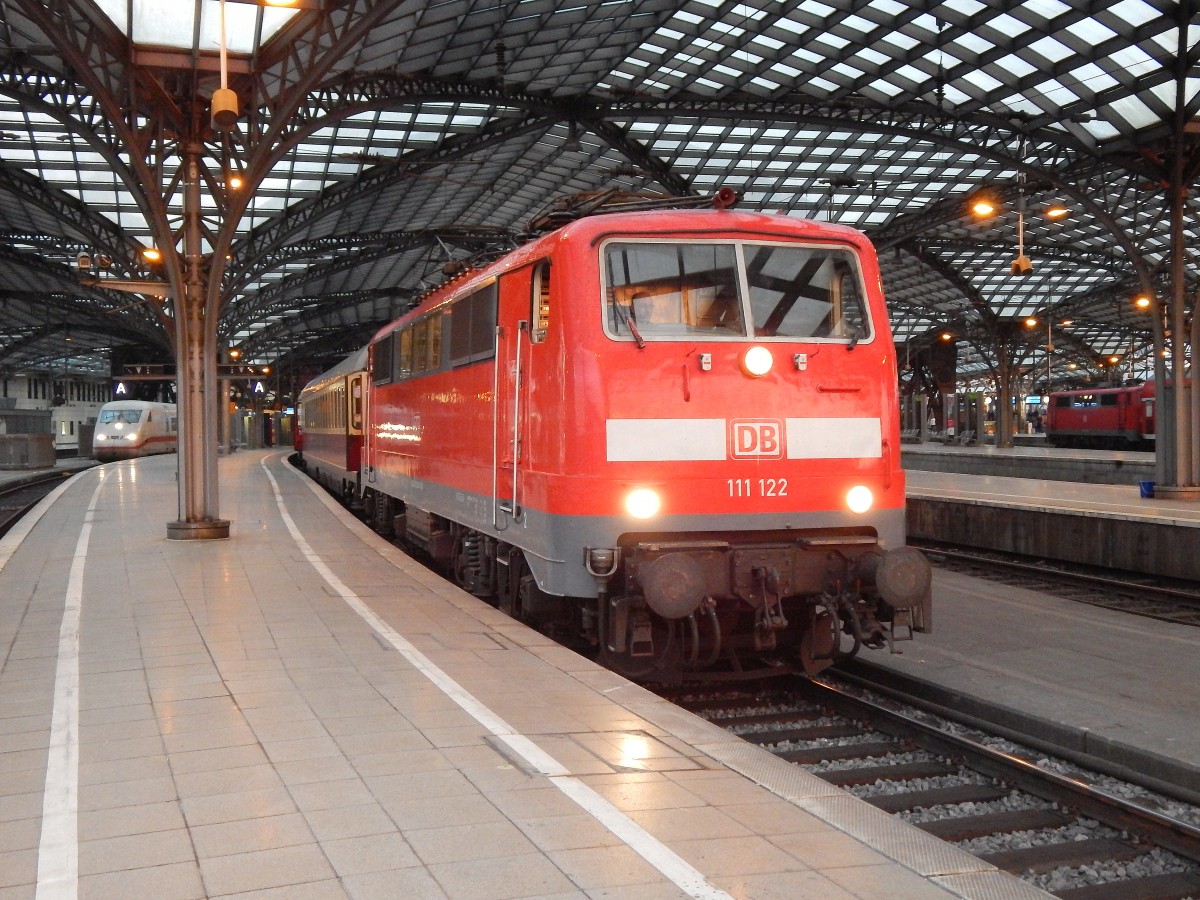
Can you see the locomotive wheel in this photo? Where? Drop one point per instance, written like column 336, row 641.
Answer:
column 382, row 518
column 818, row 643
column 458, row 564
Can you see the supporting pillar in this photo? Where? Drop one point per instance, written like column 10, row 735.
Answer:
column 1183, row 468
column 196, row 352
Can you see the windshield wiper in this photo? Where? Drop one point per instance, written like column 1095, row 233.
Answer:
column 627, row 315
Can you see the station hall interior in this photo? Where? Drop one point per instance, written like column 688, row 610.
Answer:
column 304, row 171
column 208, row 205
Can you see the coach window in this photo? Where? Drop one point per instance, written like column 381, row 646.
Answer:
column 420, row 346
column 473, row 326
column 539, row 313
column 404, row 367
column 382, row 359
column 434, row 327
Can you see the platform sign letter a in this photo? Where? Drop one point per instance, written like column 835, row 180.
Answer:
column 756, row 439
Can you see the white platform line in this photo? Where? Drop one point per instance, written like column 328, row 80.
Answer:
column 678, row 870
column 58, row 850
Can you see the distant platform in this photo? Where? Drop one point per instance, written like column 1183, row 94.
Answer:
column 65, row 466
column 1094, row 524
column 1032, row 459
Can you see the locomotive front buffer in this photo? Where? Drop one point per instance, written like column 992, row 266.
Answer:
column 685, row 605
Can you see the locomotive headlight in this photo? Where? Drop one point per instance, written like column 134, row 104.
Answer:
column 757, row 361
column 132, row 436
column 860, row 499
column 642, row 503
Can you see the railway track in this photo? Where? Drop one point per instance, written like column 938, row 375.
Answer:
column 1169, row 601
column 18, row 499
column 1055, row 827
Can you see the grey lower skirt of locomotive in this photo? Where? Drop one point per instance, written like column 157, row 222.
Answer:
column 669, row 607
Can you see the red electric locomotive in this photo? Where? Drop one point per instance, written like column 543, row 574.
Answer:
column 1118, row 418
column 329, row 427
column 672, row 434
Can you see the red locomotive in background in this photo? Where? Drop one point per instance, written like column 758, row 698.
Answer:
column 1115, row 418
column 672, row 435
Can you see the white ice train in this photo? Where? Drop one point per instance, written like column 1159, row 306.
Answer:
column 129, row 428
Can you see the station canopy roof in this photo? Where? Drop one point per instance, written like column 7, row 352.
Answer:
column 382, row 139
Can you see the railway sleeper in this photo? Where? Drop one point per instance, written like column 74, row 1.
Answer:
column 1006, row 822
column 701, row 706
column 812, row 733
column 1156, row 887
column 1048, row 857
column 785, row 718
column 872, row 774
column 942, row 796
column 811, row 755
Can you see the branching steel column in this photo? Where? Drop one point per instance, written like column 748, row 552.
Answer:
column 196, row 352
column 1184, row 466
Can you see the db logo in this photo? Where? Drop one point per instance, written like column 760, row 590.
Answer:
column 756, row 439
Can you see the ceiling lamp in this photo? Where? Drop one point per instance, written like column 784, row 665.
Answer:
column 1056, row 209
column 224, row 101
column 984, row 204
column 1021, row 265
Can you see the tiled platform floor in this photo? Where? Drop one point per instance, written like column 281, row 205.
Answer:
column 301, row 711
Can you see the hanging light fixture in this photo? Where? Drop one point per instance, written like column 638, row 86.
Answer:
column 1056, row 209
column 1021, row 265
column 224, row 100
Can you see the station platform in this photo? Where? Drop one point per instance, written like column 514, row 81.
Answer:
column 1110, row 526
column 303, row 711
column 66, row 467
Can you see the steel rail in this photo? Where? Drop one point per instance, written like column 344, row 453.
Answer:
column 1127, row 815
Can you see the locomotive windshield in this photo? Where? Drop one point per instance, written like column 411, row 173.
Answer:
column 666, row 291
column 128, row 416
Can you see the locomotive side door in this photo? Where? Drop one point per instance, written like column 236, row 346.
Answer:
column 354, row 421
column 523, row 322
column 512, row 352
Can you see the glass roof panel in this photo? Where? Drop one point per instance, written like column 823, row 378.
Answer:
column 172, row 23
column 1017, row 66
column 1047, row 9
column 1091, row 31
column 1008, row 26
column 900, row 39
column 975, row 44
column 1134, row 111
column 1135, row 12
column 1051, row 49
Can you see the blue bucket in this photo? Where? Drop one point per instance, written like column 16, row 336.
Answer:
column 1147, row 488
